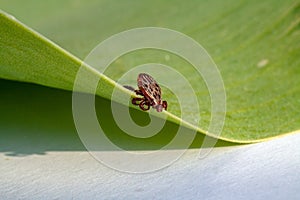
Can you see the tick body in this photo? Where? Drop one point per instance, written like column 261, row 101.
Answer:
column 151, row 92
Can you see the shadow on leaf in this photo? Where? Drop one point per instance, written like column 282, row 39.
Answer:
column 36, row 119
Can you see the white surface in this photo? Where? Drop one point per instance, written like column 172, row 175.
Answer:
column 269, row 170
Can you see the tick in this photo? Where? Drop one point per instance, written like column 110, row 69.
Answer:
column 151, row 92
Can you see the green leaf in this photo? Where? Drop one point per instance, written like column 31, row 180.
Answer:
column 254, row 44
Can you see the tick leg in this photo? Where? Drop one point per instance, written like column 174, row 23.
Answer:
column 143, row 104
column 134, row 101
column 129, row 87
column 138, row 92
column 165, row 105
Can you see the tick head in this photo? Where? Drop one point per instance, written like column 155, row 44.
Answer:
column 160, row 107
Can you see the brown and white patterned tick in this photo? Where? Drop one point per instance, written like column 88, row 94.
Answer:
column 151, row 92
